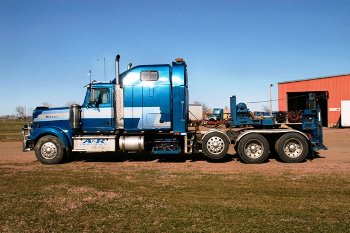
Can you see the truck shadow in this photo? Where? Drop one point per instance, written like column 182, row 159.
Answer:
column 316, row 155
column 146, row 157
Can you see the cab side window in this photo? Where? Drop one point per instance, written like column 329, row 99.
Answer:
column 100, row 96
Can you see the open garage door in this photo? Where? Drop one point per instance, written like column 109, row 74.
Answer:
column 297, row 101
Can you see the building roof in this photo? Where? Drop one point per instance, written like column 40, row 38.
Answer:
column 308, row 79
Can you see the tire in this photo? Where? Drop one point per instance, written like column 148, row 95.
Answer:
column 49, row 150
column 292, row 148
column 215, row 145
column 253, row 148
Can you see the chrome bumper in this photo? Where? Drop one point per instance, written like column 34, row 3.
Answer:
column 28, row 144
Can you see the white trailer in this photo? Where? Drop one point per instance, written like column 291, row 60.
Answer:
column 345, row 113
column 195, row 112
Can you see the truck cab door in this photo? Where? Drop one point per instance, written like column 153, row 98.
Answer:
column 97, row 111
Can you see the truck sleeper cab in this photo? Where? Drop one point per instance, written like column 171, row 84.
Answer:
column 145, row 108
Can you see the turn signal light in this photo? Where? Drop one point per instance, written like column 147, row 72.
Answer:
column 179, row 59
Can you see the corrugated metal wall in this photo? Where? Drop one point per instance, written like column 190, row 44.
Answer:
column 337, row 86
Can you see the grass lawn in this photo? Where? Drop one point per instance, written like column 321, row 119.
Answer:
column 11, row 130
column 61, row 199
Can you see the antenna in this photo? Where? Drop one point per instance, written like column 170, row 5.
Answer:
column 104, row 67
column 90, row 74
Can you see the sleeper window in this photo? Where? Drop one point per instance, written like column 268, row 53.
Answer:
column 149, row 75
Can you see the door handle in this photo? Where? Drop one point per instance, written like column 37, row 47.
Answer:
column 182, row 109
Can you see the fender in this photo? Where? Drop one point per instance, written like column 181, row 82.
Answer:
column 215, row 130
column 59, row 133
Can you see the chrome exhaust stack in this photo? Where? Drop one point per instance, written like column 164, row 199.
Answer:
column 117, row 58
column 118, row 97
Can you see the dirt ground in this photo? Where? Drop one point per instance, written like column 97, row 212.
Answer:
column 334, row 160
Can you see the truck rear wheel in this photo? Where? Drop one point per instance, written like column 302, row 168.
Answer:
column 253, row 148
column 49, row 150
column 215, row 145
column 292, row 148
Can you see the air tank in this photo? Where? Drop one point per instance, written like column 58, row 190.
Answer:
column 131, row 143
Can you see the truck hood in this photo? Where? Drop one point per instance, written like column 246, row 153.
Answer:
column 50, row 114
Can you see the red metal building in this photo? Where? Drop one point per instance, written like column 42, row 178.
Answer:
column 292, row 95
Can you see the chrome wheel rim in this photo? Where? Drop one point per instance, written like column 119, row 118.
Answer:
column 293, row 148
column 215, row 145
column 48, row 150
column 254, row 149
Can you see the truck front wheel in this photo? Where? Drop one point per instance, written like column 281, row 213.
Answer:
column 215, row 145
column 292, row 148
column 253, row 148
column 49, row 150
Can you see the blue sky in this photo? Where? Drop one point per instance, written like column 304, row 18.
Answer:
column 231, row 47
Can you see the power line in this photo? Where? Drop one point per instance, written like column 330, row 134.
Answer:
column 265, row 101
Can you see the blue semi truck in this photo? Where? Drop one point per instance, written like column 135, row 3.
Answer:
column 145, row 109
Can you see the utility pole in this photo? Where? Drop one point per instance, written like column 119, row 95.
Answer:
column 271, row 85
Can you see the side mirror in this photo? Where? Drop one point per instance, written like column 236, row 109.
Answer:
column 93, row 104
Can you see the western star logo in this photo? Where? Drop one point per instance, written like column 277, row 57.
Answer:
column 51, row 116
column 94, row 141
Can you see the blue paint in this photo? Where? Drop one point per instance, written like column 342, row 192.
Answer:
column 179, row 97
column 312, row 122
column 241, row 116
column 159, row 104
column 99, row 117
column 147, row 105
column 94, row 141
column 60, row 129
